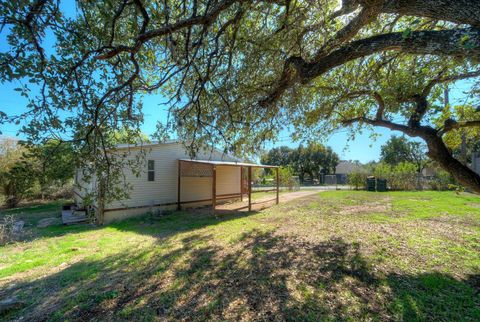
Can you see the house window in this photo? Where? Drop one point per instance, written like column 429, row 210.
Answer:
column 151, row 170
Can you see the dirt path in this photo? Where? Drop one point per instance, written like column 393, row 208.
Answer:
column 284, row 197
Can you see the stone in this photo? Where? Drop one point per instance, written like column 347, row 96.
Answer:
column 45, row 222
column 18, row 227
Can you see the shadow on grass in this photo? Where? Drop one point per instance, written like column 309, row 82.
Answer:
column 262, row 277
column 148, row 224
column 176, row 222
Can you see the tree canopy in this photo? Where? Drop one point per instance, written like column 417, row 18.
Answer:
column 312, row 160
column 235, row 73
column 399, row 149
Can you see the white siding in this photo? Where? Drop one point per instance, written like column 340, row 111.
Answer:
column 228, row 180
column 164, row 188
column 81, row 187
column 195, row 188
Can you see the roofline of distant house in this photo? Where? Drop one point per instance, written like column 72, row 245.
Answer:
column 156, row 143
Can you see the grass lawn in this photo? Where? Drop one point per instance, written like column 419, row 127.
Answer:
column 32, row 212
column 336, row 255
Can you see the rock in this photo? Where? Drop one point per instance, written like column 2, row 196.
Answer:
column 18, row 227
column 9, row 304
column 45, row 222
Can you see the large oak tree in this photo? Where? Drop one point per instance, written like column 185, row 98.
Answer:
column 234, row 73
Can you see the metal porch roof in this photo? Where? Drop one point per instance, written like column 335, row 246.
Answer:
column 230, row 163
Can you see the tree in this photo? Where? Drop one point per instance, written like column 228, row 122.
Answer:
column 398, row 149
column 464, row 141
column 280, row 156
column 52, row 162
column 16, row 172
column 313, row 159
column 235, row 73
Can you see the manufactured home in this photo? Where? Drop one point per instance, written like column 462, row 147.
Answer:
column 172, row 180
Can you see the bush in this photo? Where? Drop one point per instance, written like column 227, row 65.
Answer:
column 357, row 180
column 7, row 233
column 17, row 184
column 441, row 181
column 287, row 179
column 61, row 191
column 403, row 176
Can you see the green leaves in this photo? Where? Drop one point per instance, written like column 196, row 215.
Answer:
column 407, row 33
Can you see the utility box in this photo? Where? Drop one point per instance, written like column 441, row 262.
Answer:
column 371, row 184
column 381, row 185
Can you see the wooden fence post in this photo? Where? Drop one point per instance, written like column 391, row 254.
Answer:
column 178, row 183
column 278, row 185
column 241, row 183
column 214, row 188
column 249, row 188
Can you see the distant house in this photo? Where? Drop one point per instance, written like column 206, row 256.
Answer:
column 170, row 179
column 344, row 168
column 429, row 172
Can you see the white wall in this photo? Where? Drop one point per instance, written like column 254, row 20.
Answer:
column 164, row 188
column 228, row 180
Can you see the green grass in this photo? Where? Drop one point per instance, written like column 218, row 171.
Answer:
column 337, row 255
column 32, row 212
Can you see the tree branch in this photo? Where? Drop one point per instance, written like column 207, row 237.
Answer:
column 366, row 15
column 448, row 79
column 458, row 11
column 206, row 19
column 383, row 123
column 441, row 43
column 451, row 125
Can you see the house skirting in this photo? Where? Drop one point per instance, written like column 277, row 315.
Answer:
column 116, row 214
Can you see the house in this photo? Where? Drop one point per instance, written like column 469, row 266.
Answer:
column 170, row 179
column 344, row 168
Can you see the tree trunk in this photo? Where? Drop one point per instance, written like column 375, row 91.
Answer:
column 100, row 213
column 437, row 150
column 441, row 154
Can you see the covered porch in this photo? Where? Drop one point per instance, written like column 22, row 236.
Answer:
column 216, row 182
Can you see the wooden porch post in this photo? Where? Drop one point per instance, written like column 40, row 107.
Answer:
column 249, row 188
column 241, row 183
column 278, row 184
column 178, row 183
column 214, row 188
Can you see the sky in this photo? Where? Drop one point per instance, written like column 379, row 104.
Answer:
column 362, row 148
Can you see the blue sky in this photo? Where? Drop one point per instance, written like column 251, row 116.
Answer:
column 362, row 148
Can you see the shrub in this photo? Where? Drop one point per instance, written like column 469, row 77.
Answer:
column 357, row 179
column 7, row 233
column 58, row 191
column 17, row 184
column 441, row 180
column 287, row 179
column 403, row 176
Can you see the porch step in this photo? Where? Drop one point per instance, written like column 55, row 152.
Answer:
column 70, row 216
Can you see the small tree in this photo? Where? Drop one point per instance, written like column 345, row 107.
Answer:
column 15, row 174
column 286, row 178
column 53, row 163
column 17, row 183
